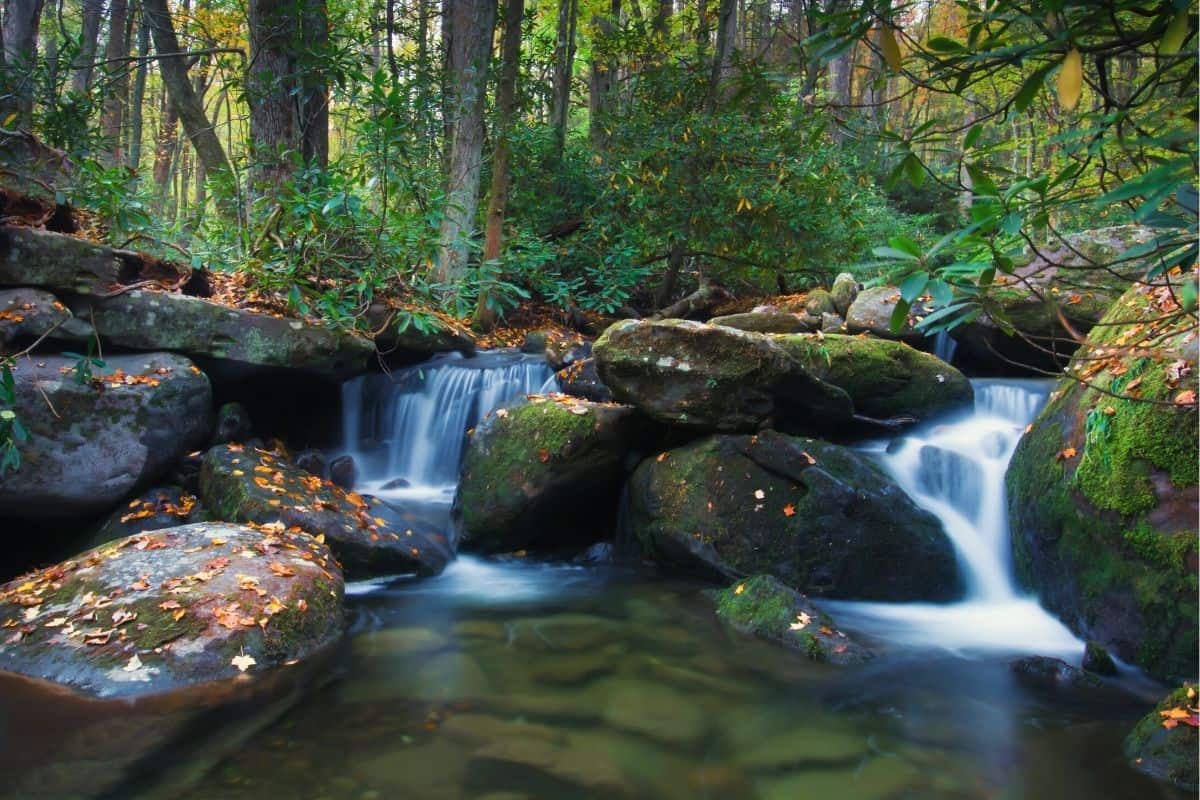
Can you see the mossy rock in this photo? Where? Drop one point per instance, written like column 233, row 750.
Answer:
column 819, row 302
column 764, row 607
column 144, row 320
column 91, row 444
column 28, row 314
column 844, row 290
column 871, row 312
column 152, row 510
column 713, row 378
column 168, row 609
column 1103, row 490
column 884, row 378
column 57, row 261
column 246, row 484
column 764, row 322
column 1168, row 754
column 544, row 475
column 822, row 518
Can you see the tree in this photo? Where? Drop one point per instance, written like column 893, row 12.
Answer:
column 85, row 63
column 115, row 54
column 20, row 33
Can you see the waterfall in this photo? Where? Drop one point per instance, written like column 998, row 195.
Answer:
column 407, row 430
column 944, row 346
column 955, row 469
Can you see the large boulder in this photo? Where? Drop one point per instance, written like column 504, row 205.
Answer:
column 764, row 607
column 1103, row 488
column 544, row 475
column 28, row 314
column 711, row 377
column 582, row 379
column 844, row 290
column 154, row 509
column 92, row 443
column 1074, row 281
column 145, row 320
column 369, row 537
column 884, row 378
column 56, row 261
column 764, row 322
column 872, row 309
column 1163, row 744
column 822, row 518
column 169, row 609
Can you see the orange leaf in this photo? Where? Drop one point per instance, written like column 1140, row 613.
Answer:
column 1063, row 455
column 1187, row 398
column 789, row 510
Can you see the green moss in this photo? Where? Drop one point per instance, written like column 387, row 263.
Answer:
column 160, row 626
column 293, row 632
column 1167, row 754
column 758, row 604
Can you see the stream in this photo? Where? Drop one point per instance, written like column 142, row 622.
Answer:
column 510, row 678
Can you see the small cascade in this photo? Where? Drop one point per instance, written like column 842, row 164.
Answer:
column 955, row 470
column 407, row 430
column 944, row 346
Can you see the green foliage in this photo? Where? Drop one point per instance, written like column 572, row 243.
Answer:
column 12, row 432
column 82, row 371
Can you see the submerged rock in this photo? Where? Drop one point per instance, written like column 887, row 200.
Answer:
column 145, row 320
column 766, row 608
column 167, row 609
column 1096, row 659
column 1053, row 674
column 368, row 536
column 92, row 443
column 1163, row 744
column 544, row 475
column 822, row 518
column 1102, row 490
column 712, row 377
column 884, row 378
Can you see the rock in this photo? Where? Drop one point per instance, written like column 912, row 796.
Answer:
column 1102, row 491
column 1054, row 284
column 233, row 424
column 558, row 348
column 343, row 472
column 871, row 312
column 313, row 462
column 368, row 536
column 397, row 332
column 144, row 320
column 28, row 314
column 819, row 302
column 530, row 470
column 30, row 167
column 395, row 483
column 832, row 323
column 599, row 553
column 91, row 444
column 822, row 518
column 56, row 261
column 1167, row 754
column 844, row 290
column 582, row 379
column 168, row 609
column 1052, row 674
column 1096, row 659
column 163, row 507
column 766, row 608
column 884, row 378
column 711, row 377
column 760, row 322
column 653, row 710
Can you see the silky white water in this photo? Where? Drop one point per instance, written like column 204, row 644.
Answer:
column 955, row 469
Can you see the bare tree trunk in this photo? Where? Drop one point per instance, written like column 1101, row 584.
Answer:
column 85, row 62
column 726, row 38
column 314, row 120
column 604, row 72
column 564, row 65
column 188, row 106
column 20, row 31
column 274, row 120
column 164, row 151
column 113, row 116
column 134, row 158
column 472, row 26
column 506, row 104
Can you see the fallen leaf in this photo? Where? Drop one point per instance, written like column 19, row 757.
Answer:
column 789, row 510
column 759, row 494
column 243, row 662
column 741, row 587
column 1187, row 398
column 802, row 620
column 543, row 455
column 1063, row 455
column 134, row 664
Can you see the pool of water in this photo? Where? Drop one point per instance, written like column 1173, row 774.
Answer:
column 513, row 679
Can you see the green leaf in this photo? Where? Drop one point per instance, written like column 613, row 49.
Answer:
column 899, row 316
column 1029, row 90
column 912, row 286
column 941, row 292
column 893, row 254
column 904, row 244
column 944, row 44
column 972, row 136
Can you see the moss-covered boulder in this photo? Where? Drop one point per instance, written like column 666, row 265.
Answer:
column 764, row 607
column 145, row 320
column 168, row 609
column 29, row 314
column 884, row 378
column 711, row 377
column 544, row 475
column 844, row 290
column 1164, row 743
column 582, row 379
column 92, row 443
column 764, row 322
column 871, row 312
column 369, row 537
column 822, row 518
column 1103, row 488
column 56, row 261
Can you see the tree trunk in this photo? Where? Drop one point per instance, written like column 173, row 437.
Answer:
column 604, row 73
column 564, row 65
column 113, row 117
column 164, row 151
column 274, row 119
column 134, row 158
column 472, row 25
column 726, row 38
column 188, row 106
column 506, row 104
column 20, row 31
column 314, row 120
column 662, row 17
column 85, row 62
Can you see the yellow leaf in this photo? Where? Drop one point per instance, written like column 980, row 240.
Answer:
column 243, row 662
column 890, row 48
column 1070, row 80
